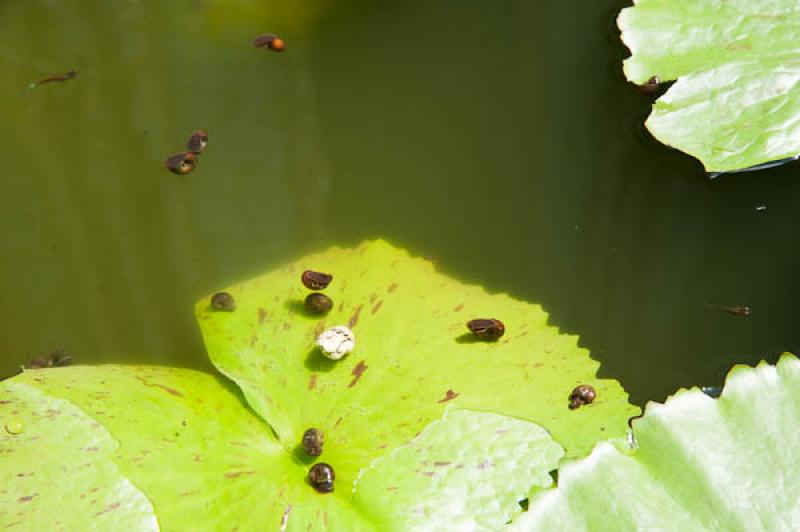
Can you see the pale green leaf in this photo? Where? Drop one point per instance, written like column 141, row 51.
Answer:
column 192, row 446
column 735, row 104
column 701, row 464
column 56, row 471
column 465, row 472
column 413, row 357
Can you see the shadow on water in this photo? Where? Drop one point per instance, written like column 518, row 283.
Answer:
column 499, row 137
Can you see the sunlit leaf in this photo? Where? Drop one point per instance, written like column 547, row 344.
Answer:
column 701, row 464
column 190, row 444
column 56, row 471
column 413, row 357
column 466, row 472
column 735, row 104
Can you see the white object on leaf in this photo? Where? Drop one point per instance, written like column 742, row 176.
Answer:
column 336, row 342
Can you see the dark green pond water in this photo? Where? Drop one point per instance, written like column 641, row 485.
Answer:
column 498, row 137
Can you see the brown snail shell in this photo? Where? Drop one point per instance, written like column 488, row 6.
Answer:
column 581, row 395
column 487, row 329
column 197, row 142
column 313, row 440
column 182, row 163
column 316, row 280
column 321, row 477
column 223, row 301
column 271, row 41
column 318, row 303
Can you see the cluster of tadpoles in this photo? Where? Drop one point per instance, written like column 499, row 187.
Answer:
column 338, row 341
column 184, row 162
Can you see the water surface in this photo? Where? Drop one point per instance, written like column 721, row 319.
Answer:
column 497, row 136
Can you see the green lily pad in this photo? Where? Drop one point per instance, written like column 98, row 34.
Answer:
column 413, row 358
column 192, row 446
column 207, row 463
column 736, row 100
column 54, row 457
column 701, row 464
column 465, row 462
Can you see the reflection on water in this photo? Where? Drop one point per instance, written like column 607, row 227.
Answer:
column 497, row 137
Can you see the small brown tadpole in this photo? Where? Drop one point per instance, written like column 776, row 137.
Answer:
column 66, row 76
column 181, row 163
column 738, row 310
column 487, row 329
column 321, row 477
column 317, row 303
column 197, row 142
column 313, row 440
column 271, row 41
column 650, row 86
column 581, row 395
column 223, row 301
column 316, row 280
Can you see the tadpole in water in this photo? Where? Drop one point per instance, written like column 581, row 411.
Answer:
column 66, row 76
column 581, row 395
column 487, row 329
column 316, row 280
column 181, row 163
column 223, row 301
column 271, row 41
column 321, row 477
column 738, row 310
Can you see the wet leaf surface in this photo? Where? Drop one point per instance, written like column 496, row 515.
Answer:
column 413, row 358
column 465, row 462
column 735, row 102
column 56, row 467
column 701, row 464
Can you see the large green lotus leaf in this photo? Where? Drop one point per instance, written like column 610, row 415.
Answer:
column 413, row 357
column 192, row 446
column 736, row 103
column 465, row 472
column 700, row 464
column 52, row 457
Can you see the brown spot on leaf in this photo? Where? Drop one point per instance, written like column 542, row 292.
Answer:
column 377, row 306
column 441, row 464
column 354, row 318
column 237, row 474
column 5, row 402
column 27, row 498
column 357, row 371
column 312, row 381
column 392, row 287
column 448, row 396
column 428, row 473
column 188, row 493
column 286, row 325
column 373, row 297
column 107, row 509
column 253, row 340
column 337, row 422
column 262, row 315
column 167, row 389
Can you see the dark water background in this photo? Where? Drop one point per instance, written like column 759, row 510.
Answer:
column 497, row 136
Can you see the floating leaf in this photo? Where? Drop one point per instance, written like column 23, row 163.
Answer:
column 736, row 102
column 54, row 457
column 191, row 445
column 208, row 463
column 701, row 464
column 413, row 357
column 465, row 472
